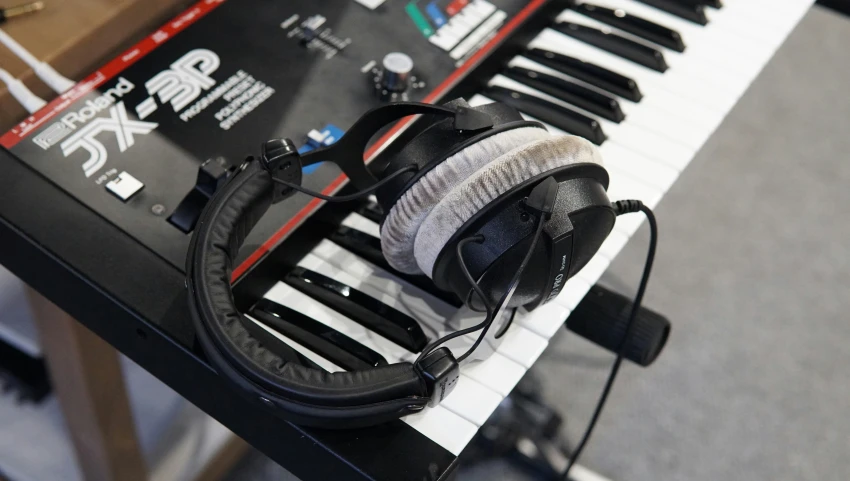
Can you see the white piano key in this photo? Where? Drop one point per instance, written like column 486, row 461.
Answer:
column 718, row 30
column 594, row 269
column 497, row 373
column 656, row 174
column 673, row 81
column 740, row 16
column 574, row 291
column 677, row 139
column 628, row 224
column 472, row 400
column 625, row 187
column 522, row 345
column 653, row 145
column 634, row 138
column 657, row 107
column 545, row 320
column 444, row 427
column 687, row 126
column 613, row 245
column 358, row 222
column 694, row 65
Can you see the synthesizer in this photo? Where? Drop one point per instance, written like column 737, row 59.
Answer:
column 144, row 142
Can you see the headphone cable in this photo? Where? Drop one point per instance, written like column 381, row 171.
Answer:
column 43, row 70
column 346, row 198
column 28, row 100
column 620, row 207
column 492, row 311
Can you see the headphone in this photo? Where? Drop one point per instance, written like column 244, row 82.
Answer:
column 488, row 205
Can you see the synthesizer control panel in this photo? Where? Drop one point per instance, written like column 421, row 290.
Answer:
column 146, row 140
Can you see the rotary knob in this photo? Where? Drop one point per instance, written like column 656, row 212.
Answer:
column 396, row 73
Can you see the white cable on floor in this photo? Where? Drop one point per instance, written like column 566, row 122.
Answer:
column 44, row 71
column 22, row 94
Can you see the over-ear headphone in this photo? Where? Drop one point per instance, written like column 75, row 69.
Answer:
column 488, row 205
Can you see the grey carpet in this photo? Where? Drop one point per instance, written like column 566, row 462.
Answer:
column 754, row 271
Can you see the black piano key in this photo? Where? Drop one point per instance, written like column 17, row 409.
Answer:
column 624, row 47
column 360, row 308
column 691, row 11
column 638, row 26
column 570, row 92
column 369, row 248
column 587, row 72
column 325, row 341
column 709, row 3
column 561, row 117
column 372, row 211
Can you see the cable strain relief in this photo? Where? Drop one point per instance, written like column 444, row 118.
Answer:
column 52, row 78
column 627, row 206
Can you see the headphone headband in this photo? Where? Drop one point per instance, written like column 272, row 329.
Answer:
column 310, row 396
column 276, row 376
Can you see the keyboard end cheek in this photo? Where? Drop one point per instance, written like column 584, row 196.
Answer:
column 441, row 372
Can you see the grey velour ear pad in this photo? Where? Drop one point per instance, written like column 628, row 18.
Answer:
column 474, row 192
column 399, row 230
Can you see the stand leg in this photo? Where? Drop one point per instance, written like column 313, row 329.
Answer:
column 86, row 374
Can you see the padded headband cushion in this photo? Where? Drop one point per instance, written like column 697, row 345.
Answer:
column 487, row 184
column 307, row 395
column 398, row 232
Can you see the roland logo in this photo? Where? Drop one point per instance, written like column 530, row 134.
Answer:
column 93, row 107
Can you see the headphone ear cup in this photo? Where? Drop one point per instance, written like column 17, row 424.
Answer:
column 402, row 223
column 486, row 185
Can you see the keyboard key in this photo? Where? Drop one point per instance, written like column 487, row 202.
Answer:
column 546, row 320
column 497, row 373
column 594, row 269
column 359, row 307
column 444, row 427
column 613, row 245
column 319, row 338
column 369, row 248
column 570, row 92
column 573, row 292
column 689, row 11
column 635, row 25
column 561, row 117
column 345, row 266
column 649, row 171
column 616, row 44
column 600, row 77
column 472, row 400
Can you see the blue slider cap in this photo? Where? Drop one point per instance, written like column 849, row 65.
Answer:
column 327, row 136
column 433, row 11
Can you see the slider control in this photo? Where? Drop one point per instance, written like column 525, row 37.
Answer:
column 212, row 174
